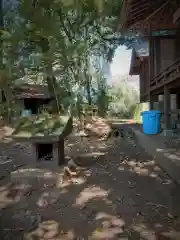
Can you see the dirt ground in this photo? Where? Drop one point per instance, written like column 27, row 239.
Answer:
column 122, row 195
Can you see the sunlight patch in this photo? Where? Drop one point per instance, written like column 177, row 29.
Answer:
column 89, row 193
column 33, row 173
column 110, row 220
column 108, row 233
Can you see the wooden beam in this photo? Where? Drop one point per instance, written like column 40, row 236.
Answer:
column 138, row 12
column 127, row 6
column 137, row 18
column 157, row 10
column 139, row 9
column 139, row 3
column 151, row 64
column 155, row 26
column 147, row 6
column 166, row 106
column 176, row 16
column 139, row 6
column 138, row 15
column 171, row 80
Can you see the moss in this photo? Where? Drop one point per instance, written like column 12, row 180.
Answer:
column 40, row 125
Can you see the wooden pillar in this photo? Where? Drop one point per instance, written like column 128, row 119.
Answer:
column 34, row 152
column 166, row 106
column 58, row 152
column 151, row 65
column 61, row 157
column 157, row 56
column 177, row 47
column 151, row 100
column 178, row 100
column 141, row 82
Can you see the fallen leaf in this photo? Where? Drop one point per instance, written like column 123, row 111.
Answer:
column 170, row 216
column 99, row 229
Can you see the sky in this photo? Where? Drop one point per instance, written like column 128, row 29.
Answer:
column 120, row 67
column 121, row 61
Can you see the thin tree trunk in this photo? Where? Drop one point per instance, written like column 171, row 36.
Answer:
column 88, row 90
column 1, row 43
column 88, row 82
column 1, row 27
column 52, row 87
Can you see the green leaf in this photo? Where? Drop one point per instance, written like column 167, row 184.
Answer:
column 5, row 34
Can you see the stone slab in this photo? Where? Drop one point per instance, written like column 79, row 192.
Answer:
column 167, row 160
column 167, row 133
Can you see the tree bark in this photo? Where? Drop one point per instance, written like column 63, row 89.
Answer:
column 52, row 86
column 88, row 90
column 1, row 40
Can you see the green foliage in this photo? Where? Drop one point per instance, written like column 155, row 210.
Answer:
column 122, row 101
column 41, row 125
column 53, row 42
column 137, row 113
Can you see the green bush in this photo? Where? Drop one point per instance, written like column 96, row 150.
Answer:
column 122, row 101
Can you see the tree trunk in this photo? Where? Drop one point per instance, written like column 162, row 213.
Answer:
column 102, row 102
column 1, row 40
column 52, row 87
column 79, row 107
column 88, row 90
column 87, row 81
column 1, row 27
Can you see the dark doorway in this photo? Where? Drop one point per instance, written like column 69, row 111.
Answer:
column 31, row 104
column 3, row 97
column 34, row 104
column 45, row 152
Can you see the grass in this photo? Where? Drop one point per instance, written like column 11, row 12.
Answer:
column 40, row 126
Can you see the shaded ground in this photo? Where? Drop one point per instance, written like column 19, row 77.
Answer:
column 123, row 195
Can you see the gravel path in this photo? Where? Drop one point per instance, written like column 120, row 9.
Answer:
column 123, row 195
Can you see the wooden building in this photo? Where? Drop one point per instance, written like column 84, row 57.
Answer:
column 32, row 96
column 158, row 21
column 140, row 66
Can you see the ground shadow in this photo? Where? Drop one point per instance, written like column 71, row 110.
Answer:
column 123, row 195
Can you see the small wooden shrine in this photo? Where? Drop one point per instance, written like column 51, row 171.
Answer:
column 46, row 133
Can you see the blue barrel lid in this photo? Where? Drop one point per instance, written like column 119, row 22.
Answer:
column 152, row 111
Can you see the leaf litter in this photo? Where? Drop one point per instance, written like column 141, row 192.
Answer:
column 109, row 168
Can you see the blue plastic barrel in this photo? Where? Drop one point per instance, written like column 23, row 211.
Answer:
column 151, row 122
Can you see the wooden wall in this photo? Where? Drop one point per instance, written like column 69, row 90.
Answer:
column 164, row 53
column 167, row 52
column 144, row 79
column 177, row 44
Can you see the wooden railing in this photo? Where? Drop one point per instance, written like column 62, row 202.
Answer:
column 168, row 75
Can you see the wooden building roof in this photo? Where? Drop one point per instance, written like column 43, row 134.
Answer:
column 140, row 51
column 32, row 91
column 138, row 10
column 141, row 12
column 141, row 48
column 176, row 17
